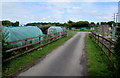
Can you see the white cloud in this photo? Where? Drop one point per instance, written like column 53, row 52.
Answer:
column 76, row 7
column 60, row 0
column 73, row 18
column 57, row 12
column 15, row 11
column 103, row 18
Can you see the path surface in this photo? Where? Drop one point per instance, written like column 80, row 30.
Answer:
column 66, row 60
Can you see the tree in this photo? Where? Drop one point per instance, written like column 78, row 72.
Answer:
column 16, row 23
column 6, row 23
column 92, row 23
column 118, row 24
column 98, row 23
column 110, row 23
column 103, row 23
column 78, row 24
column 9, row 23
column 85, row 23
column 69, row 22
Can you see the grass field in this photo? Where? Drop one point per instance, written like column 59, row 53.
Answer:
column 16, row 64
column 98, row 64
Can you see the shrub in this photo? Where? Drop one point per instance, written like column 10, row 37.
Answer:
column 117, row 52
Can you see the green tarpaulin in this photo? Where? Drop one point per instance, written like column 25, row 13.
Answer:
column 17, row 33
column 54, row 29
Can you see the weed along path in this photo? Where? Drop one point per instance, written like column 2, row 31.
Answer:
column 66, row 60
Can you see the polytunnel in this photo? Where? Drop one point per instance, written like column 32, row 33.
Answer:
column 18, row 33
column 63, row 28
column 54, row 29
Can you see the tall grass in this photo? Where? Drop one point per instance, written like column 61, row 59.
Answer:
column 98, row 65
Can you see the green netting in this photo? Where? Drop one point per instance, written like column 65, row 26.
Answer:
column 17, row 33
column 54, row 29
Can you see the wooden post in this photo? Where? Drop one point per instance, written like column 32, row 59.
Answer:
column 110, row 46
column 95, row 38
column 55, row 34
column 39, row 40
column 102, row 35
column 98, row 39
column 60, row 34
column 26, row 43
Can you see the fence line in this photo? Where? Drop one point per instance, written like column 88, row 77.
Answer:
column 105, row 45
column 49, row 37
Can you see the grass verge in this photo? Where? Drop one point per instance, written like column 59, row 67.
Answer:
column 81, row 30
column 97, row 61
column 16, row 64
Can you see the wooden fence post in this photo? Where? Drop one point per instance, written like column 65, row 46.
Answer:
column 98, row 39
column 95, row 38
column 55, row 34
column 49, row 36
column 102, row 42
column 39, row 39
column 110, row 46
column 26, row 43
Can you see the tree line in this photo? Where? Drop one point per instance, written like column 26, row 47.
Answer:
column 69, row 23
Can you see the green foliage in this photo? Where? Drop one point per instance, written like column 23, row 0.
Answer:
column 108, row 23
column 16, row 23
column 9, row 23
column 92, row 23
column 103, row 23
column 6, row 23
column 97, row 61
column 98, row 23
column 118, row 24
column 44, row 29
column 117, row 52
column 44, row 23
column 78, row 24
column 6, row 46
column 70, row 22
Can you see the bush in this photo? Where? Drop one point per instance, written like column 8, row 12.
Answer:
column 117, row 52
column 6, row 46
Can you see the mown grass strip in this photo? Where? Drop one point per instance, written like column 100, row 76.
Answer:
column 16, row 64
column 80, row 30
column 98, row 64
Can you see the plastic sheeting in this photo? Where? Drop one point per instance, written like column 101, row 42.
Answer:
column 54, row 29
column 17, row 33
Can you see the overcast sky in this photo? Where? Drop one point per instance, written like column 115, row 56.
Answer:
column 58, row 10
